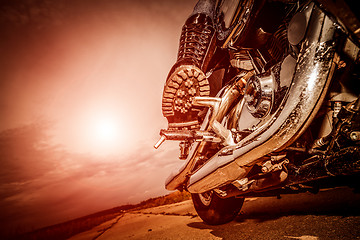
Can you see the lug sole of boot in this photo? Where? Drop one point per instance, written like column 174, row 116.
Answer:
column 183, row 85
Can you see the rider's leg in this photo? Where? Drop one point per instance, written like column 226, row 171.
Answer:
column 186, row 78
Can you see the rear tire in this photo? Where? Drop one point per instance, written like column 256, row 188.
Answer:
column 214, row 210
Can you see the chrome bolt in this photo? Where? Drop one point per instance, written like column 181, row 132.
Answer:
column 355, row 136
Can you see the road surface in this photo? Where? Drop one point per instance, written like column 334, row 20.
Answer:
column 330, row 214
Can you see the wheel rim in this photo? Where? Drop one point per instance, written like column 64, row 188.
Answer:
column 206, row 198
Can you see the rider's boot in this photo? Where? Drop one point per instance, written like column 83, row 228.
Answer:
column 187, row 77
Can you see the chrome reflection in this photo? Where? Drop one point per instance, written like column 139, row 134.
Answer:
column 310, row 82
column 259, row 95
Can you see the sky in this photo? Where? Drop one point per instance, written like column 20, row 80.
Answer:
column 80, row 105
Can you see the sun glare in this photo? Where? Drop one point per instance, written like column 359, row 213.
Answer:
column 106, row 130
column 97, row 132
column 104, row 134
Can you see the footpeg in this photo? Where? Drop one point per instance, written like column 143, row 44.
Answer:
column 186, row 135
column 161, row 141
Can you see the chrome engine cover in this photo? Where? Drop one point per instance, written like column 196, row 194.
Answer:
column 259, row 95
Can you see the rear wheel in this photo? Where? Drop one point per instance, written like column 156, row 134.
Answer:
column 214, row 210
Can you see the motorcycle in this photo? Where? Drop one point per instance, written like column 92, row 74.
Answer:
column 287, row 116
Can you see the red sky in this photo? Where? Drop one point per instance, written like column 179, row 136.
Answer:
column 90, row 75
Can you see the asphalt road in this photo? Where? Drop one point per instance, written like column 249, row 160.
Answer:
column 330, row 214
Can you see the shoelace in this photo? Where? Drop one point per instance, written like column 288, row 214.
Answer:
column 194, row 42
